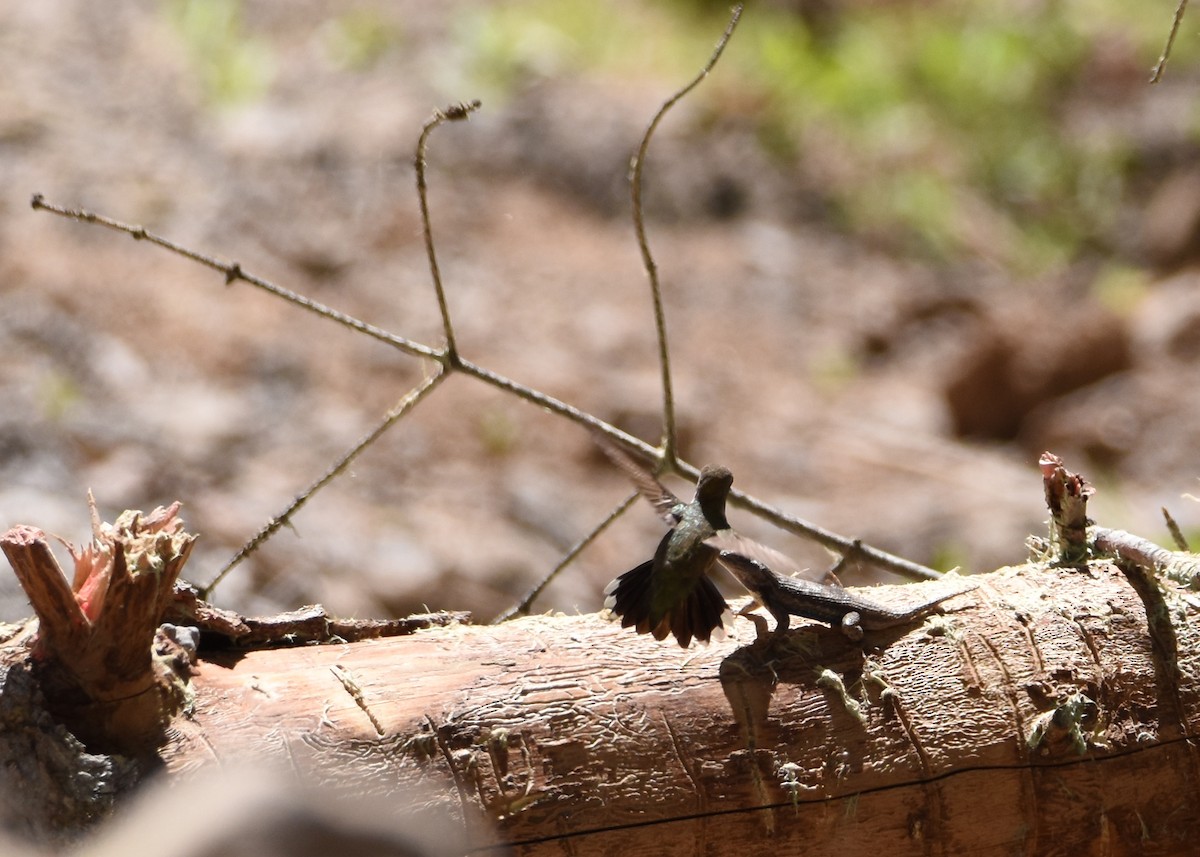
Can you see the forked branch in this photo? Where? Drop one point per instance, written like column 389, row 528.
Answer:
column 449, row 361
column 454, row 113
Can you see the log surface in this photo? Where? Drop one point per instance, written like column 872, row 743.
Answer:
column 1045, row 713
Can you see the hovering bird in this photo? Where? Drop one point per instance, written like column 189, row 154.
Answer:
column 672, row 592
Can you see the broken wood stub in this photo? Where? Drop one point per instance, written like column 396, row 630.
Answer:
column 94, row 653
column 1066, row 497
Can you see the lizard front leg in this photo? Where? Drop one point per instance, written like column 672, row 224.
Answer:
column 781, row 616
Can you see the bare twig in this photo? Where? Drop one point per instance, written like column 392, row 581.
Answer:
column 837, row 543
column 1177, row 536
column 555, row 406
column 1160, row 66
column 1135, row 549
column 667, row 455
column 454, row 113
column 521, row 608
column 449, row 361
column 669, row 451
column 401, row 408
column 233, row 272
column 1183, row 568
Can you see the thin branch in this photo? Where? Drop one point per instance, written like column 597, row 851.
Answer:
column 827, row 538
column 457, row 112
column 1159, row 67
column 669, row 450
column 233, row 272
column 556, row 406
column 1177, row 536
column 401, row 408
column 1183, row 568
column 449, row 361
column 521, row 608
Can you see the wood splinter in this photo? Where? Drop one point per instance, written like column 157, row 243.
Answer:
column 95, row 644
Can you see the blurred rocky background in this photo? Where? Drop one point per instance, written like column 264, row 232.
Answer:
column 905, row 247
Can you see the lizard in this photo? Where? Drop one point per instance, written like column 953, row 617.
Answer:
column 784, row 597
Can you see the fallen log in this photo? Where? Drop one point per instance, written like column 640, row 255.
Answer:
column 1044, row 714
column 1050, row 710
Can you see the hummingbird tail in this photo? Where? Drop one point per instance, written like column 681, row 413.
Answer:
column 702, row 613
column 629, row 596
column 698, row 614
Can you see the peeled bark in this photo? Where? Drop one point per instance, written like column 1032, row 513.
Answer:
column 1047, row 712
column 93, row 648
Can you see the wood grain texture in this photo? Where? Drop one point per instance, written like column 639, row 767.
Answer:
column 1041, row 715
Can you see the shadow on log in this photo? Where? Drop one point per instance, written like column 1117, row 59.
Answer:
column 1037, row 717
column 1050, row 710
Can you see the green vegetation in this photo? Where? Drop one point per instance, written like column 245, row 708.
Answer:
column 1121, row 288
column 510, row 43
column 233, row 67
column 948, row 118
column 940, row 127
column 359, row 38
column 57, row 395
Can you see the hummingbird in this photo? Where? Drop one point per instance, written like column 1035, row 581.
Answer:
column 672, row 592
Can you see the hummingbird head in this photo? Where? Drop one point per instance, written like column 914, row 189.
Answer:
column 711, row 491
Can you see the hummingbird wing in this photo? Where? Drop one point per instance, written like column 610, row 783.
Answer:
column 660, row 497
column 728, row 541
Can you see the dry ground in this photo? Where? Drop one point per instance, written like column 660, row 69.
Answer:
column 827, row 373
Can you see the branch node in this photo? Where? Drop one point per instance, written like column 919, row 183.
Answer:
column 461, row 111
